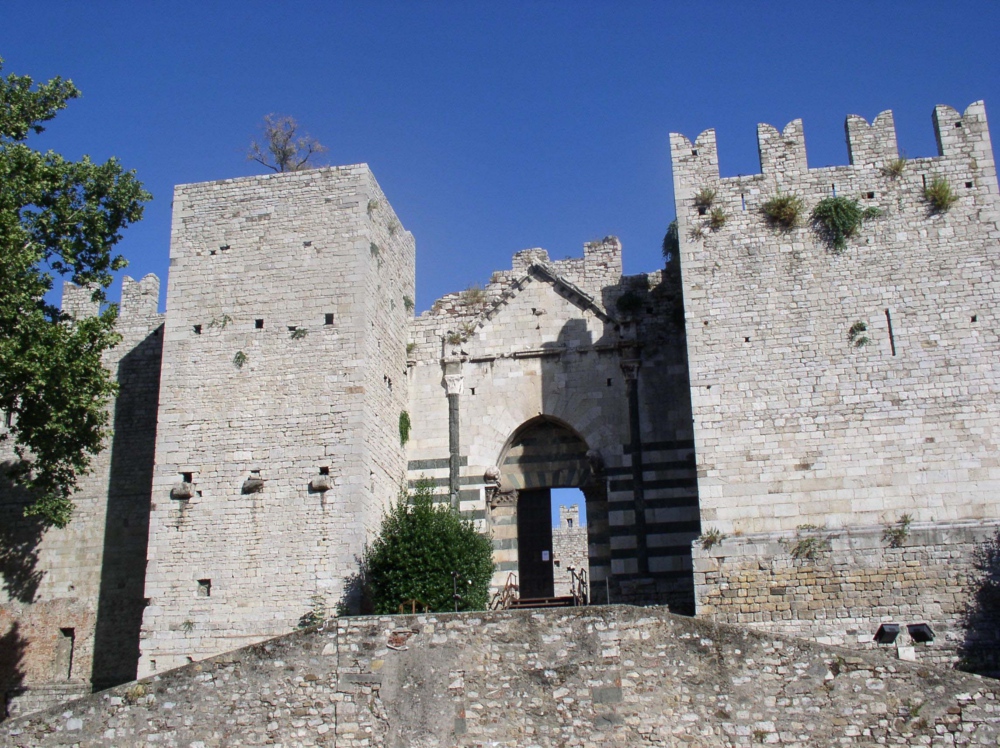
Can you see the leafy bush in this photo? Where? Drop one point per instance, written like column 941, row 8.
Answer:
column 711, row 537
column 783, row 210
column 856, row 335
column 839, row 219
column 404, row 428
column 939, row 194
column 418, row 547
column 717, row 219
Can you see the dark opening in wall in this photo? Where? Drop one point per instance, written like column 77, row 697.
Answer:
column 324, row 470
column 958, row 124
column 743, row 200
column 609, row 382
column 8, row 418
column 694, row 153
column 211, row 251
column 746, row 339
column 329, row 319
column 186, row 477
column 64, row 653
column 968, row 185
column 307, row 244
column 472, row 390
column 892, row 338
column 204, row 588
column 258, row 324
column 224, row 247
column 923, row 179
column 975, row 318
column 197, row 329
column 871, row 195
column 702, row 210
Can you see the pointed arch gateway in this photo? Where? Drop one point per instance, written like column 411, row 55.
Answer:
column 542, row 454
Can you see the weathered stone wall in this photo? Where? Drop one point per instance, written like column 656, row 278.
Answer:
column 278, row 434
column 613, row 676
column 71, row 599
column 838, row 587
column 793, row 423
column 546, row 345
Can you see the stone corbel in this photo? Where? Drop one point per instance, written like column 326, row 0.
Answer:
column 253, row 484
column 320, row 483
column 495, row 497
column 630, row 368
column 182, row 491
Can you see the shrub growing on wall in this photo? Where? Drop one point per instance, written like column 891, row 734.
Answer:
column 418, row 547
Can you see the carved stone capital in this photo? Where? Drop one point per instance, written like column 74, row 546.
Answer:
column 630, row 368
column 454, row 384
column 497, row 498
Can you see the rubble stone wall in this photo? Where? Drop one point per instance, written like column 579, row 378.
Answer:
column 612, row 676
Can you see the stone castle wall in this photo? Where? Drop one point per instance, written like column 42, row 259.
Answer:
column 611, row 676
column 793, row 423
column 278, row 428
column 71, row 599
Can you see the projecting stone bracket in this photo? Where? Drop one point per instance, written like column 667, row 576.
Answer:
column 182, row 491
column 253, row 484
column 320, row 483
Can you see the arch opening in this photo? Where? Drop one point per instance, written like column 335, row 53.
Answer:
column 541, row 455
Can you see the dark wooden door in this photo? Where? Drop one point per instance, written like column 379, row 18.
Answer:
column 534, row 542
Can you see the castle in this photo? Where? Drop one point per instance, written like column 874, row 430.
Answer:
column 766, row 432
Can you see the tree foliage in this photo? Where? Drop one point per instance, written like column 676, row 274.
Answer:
column 58, row 218
column 418, row 547
column 282, row 148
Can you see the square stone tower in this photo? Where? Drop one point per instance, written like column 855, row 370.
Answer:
column 283, row 381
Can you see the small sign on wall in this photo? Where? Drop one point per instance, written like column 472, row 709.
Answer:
column 545, row 555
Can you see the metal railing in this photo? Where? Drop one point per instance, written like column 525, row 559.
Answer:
column 578, row 586
column 507, row 595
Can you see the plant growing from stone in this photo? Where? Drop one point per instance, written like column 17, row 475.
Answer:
column 711, row 537
column 839, row 218
column 704, row 198
column 940, row 195
column 629, row 303
column 783, row 210
column 394, row 226
column 410, row 348
column 408, row 304
column 717, row 219
column 895, row 168
column 895, row 535
column 404, row 428
column 240, row 359
column 220, row 322
column 671, row 242
column 372, row 206
column 473, row 296
column 282, row 147
column 298, row 333
column 418, row 546
column 809, row 546
column 856, row 334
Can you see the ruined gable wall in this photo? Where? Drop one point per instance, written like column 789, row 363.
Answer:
column 535, row 347
column 71, row 599
column 793, row 423
column 295, row 251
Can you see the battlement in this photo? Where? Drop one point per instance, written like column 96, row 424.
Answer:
column 139, row 301
column 783, row 156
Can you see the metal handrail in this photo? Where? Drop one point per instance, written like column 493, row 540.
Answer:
column 507, row 595
column 579, row 587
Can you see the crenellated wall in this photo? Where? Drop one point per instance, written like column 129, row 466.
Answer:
column 794, row 423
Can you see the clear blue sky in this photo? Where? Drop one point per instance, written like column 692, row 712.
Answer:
column 492, row 127
column 495, row 126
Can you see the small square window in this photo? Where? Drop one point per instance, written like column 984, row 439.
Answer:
column 258, row 324
column 186, row 477
column 197, row 329
column 329, row 319
column 204, row 588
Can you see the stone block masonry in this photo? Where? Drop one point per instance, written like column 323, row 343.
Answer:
column 282, row 384
column 796, row 419
column 601, row 676
column 71, row 599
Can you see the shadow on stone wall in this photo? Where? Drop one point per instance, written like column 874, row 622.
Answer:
column 19, row 539
column 126, row 528
column 980, row 651
column 12, row 647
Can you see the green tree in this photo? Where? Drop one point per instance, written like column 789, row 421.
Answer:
column 418, row 547
column 58, row 218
